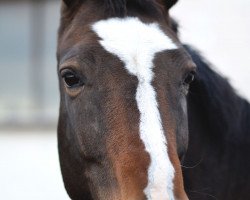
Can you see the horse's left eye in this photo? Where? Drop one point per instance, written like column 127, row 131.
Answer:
column 189, row 78
column 71, row 79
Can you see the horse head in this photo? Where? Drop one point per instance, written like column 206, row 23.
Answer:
column 124, row 77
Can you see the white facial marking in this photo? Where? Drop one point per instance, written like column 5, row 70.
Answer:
column 184, row 105
column 136, row 43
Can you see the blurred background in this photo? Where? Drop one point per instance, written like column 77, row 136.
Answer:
column 29, row 97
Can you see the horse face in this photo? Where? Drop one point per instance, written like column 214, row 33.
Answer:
column 123, row 116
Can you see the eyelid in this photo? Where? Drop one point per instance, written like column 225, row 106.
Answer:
column 189, row 70
column 191, row 66
column 64, row 71
column 69, row 64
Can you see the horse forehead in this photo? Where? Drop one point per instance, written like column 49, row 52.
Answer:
column 133, row 41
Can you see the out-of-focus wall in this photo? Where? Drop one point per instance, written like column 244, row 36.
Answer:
column 28, row 29
column 29, row 99
column 28, row 79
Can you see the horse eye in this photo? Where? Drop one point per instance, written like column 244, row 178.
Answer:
column 71, row 79
column 189, row 78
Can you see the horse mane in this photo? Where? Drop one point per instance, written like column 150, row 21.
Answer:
column 120, row 8
column 226, row 113
column 219, row 136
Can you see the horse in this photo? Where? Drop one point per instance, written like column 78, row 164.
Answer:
column 139, row 110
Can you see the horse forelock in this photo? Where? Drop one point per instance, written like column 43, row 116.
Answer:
column 120, row 7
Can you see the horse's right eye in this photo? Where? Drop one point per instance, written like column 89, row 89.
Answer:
column 71, row 79
column 189, row 78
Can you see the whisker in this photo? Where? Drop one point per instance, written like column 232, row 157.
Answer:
column 191, row 167
column 203, row 193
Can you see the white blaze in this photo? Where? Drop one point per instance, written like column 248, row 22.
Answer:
column 136, row 43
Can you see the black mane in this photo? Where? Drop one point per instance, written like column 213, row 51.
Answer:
column 225, row 109
column 121, row 8
column 217, row 164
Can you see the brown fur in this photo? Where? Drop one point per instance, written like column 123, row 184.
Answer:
column 129, row 159
column 168, row 113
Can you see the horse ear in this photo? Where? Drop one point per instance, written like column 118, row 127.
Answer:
column 169, row 3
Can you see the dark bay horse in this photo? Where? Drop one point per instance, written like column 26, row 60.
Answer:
column 127, row 95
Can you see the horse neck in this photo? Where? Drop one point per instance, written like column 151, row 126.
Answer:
column 223, row 112
column 219, row 134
